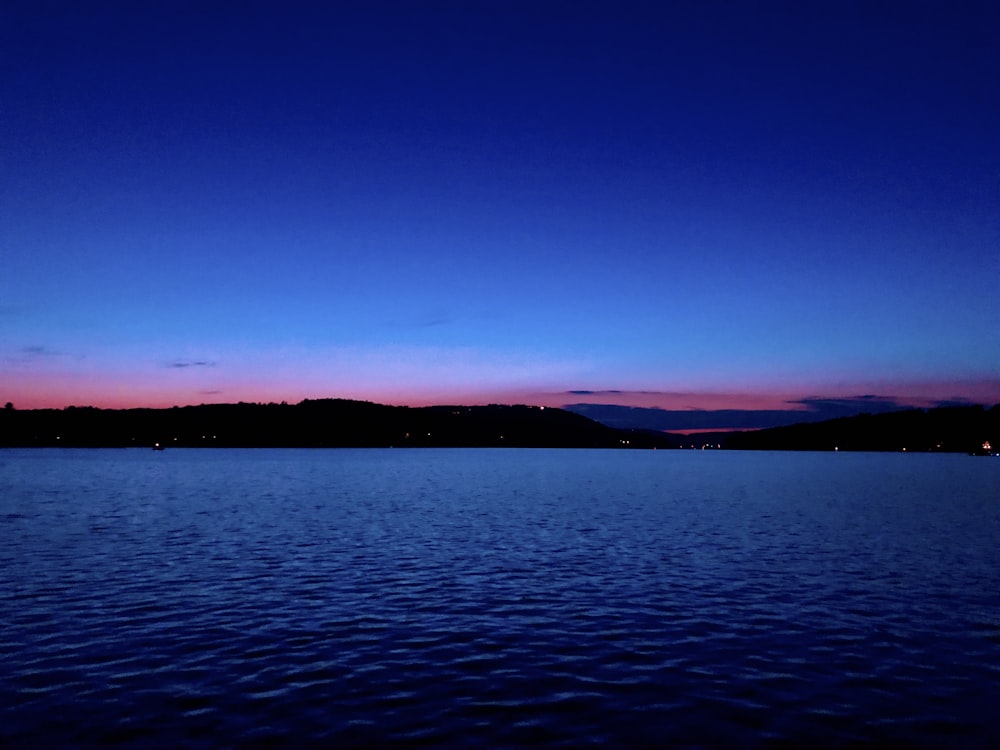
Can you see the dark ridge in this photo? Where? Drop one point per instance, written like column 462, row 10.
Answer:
column 324, row 423
column 952, row 429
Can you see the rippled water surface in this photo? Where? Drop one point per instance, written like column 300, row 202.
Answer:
column 497, row 598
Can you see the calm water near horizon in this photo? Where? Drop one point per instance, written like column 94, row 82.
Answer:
column 497, row 598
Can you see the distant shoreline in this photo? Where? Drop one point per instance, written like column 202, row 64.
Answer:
column 341, row 423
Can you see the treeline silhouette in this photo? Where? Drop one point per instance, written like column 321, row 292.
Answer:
column 944, row 429
column 325, row 423
column 331, row 423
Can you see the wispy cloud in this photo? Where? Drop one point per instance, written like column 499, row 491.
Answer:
column 670, row 400
column 35, row 354
column 181, row 364
column 426, row 318
column 642, row 393
column 40, row 351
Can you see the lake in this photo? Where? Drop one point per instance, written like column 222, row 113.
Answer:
column 500, row 598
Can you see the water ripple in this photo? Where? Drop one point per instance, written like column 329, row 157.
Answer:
column 457, row 598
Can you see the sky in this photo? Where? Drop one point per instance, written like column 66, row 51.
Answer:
column 706, row 214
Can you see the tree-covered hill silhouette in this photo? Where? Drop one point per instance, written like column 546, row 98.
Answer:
column 334, row 423
column 315, row 424
column 944, row 429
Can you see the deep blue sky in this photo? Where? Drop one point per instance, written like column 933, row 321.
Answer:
column 676, row 205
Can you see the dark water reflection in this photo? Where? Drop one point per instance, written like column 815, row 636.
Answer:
column 500, row 598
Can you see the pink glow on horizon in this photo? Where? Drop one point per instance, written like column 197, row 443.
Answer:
column 58, row 389
column 922, row 394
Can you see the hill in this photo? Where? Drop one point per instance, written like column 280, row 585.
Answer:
column 316, row 423
column 946, row 429
column 335, row 423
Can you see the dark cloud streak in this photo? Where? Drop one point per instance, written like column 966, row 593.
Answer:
column 40, row 351
column 180, row 365
column 679, row 420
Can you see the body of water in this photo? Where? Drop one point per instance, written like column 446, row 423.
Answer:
column 497, row 598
